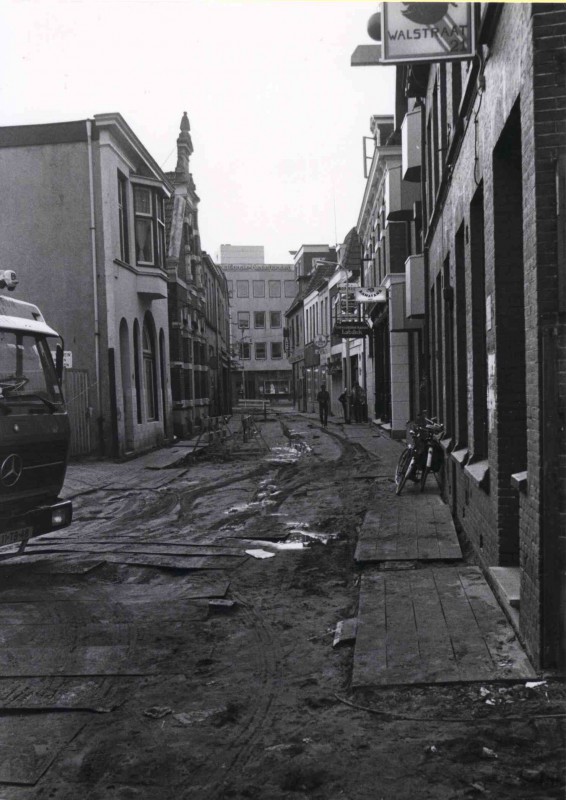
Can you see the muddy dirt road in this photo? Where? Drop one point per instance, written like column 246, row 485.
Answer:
column 123, row 678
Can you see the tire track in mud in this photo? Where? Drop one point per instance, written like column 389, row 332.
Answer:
column 267, row 661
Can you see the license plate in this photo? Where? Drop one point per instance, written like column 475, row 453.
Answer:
column 9, row 537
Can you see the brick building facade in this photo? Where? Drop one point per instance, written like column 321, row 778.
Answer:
column 493, row 150
column 197, row 304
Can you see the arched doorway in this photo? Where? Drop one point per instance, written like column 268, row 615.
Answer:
column 163, row 382
column 126, row 374
column 150, row 369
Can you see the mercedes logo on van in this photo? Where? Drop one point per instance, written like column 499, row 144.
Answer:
column 11, row 470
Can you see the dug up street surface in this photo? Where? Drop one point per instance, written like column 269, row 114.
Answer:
column 245, row 622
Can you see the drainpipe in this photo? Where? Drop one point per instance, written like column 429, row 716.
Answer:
column 94, row 281
column 426, row 267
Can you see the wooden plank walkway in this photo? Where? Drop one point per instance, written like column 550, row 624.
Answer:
column 418, row 527
column 433, row 626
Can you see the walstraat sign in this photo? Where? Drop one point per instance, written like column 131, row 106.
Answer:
column 416, row 32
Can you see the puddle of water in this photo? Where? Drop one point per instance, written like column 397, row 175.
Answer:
column 260, row 554
column 260, row 505
column 283, row 455
column 309, row 537
column 279, row 546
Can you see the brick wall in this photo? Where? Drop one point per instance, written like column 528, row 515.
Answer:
column 524, row 72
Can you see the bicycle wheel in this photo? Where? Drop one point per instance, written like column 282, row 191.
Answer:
column 404, row 468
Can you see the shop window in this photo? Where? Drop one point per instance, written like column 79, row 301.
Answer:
column 273, row 387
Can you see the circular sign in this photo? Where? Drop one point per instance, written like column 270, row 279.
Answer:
column 320, row 340
column 11, row 470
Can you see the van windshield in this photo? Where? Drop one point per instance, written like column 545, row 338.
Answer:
column 27, row 372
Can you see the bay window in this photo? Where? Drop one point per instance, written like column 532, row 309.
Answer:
column 149, row 227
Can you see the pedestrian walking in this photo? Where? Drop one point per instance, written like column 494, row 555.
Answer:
column 344, row 399
column 323, row 398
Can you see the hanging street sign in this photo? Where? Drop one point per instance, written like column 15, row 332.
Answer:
column 351, row 330
column 320, row 341
column 364, row 294
column 419, row 32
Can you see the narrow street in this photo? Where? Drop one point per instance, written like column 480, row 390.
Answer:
column 178, row 641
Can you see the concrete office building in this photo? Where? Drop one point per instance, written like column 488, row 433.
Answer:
column 241, row 254
column 259, row 297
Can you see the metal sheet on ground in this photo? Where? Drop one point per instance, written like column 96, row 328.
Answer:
column 273, row 535
column 30, row 744
column 148, row 548
column 127, row 650
column 104, row 612
column 433, row 626
column 178, row 562
column 421, row 529
column 112, row 555
column 57, row 693
column 62, row 566
column 209, row 584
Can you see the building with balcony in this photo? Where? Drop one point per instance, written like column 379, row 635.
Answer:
column 83, row 225
column 389, row 228
column 259, row 295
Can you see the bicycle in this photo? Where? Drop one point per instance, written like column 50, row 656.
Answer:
column 423, row 454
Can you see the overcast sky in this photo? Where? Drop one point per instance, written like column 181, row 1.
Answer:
column 277, row 113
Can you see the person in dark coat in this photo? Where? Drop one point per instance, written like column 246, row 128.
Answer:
column 345, row 400
column 323, row 399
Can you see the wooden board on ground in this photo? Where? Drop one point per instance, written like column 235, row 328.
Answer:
column 150, row 548
column 100, row 649
column 201, row 585
column 147, row 560
column 419, row 530
column 433, row 626
column 29, row 744
column 60, row 566
column 64, row 693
